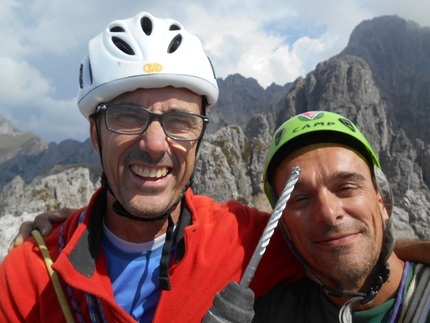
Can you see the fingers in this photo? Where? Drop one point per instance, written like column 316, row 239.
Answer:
column 59, row 216
column 23, row 234
column 42, row 222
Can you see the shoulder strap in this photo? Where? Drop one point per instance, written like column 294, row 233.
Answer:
column 54, row 277
column 416, row 305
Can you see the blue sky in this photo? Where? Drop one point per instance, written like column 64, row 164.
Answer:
column 44, row 41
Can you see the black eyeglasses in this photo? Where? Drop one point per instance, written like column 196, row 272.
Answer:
column 132, row 119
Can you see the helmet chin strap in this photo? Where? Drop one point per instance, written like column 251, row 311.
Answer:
column 387, row 248
column 363, row 297
column 345, row 313
column 120, row 210
column 163, row 277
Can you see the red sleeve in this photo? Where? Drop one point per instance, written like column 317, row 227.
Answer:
column 278, row 264
column 25, row 286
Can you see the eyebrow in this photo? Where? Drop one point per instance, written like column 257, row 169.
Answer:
column 344, row 175
column 348, row 175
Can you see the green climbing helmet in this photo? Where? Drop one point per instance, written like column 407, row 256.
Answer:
column 308, row 128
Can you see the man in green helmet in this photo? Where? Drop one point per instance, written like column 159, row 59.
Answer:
column 337, row 223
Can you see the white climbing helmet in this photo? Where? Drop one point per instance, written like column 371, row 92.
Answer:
column 143, row 52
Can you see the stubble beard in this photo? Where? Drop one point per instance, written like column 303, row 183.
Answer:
column 348, row 268
column 144, row 210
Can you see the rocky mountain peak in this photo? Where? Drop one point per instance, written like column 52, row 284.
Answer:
column 6, row 127
column 398, row 54
column 13, row 142
column 240, row 98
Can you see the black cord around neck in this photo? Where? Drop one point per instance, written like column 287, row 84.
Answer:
column 366, row 298
column 119, row 209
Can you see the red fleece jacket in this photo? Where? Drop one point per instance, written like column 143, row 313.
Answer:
column 218, row 246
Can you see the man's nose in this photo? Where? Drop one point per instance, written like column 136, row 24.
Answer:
column 154, row 140
column 328, row 208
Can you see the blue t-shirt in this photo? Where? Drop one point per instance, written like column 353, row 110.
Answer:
column 134, row 270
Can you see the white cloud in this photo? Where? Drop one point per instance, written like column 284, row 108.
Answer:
column 26, row 99
column 22, row 83
column 58, row 120
column 240, row 45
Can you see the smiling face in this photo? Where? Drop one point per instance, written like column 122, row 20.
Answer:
column 334, row 213
column 147, row 172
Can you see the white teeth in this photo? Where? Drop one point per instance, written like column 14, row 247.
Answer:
column 151, row 173
column 137, row 170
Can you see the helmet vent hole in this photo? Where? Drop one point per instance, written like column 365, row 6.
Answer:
column 174, row 44
column 122, row 46
column 81, row 78
column 146, row 24
column 117, row 29
column 174, row 27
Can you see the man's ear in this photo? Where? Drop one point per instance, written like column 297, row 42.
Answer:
column 93, row 133
column 382, row 209
column 384, row 190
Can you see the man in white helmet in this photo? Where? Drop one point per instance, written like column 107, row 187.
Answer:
column 145, row 249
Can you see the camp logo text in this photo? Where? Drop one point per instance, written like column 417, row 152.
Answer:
column 153, row 68
column 312, row 116
column 315, row 125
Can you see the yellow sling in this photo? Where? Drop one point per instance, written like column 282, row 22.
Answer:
column 54, row 277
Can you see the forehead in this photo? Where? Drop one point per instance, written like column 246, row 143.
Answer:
column 321, row 160
column 166, row 96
